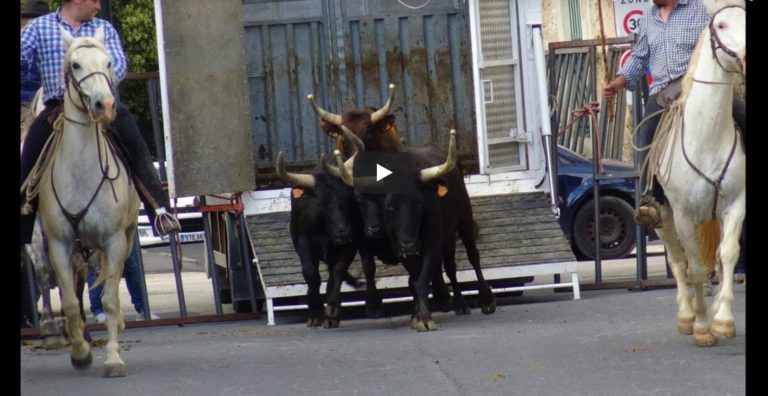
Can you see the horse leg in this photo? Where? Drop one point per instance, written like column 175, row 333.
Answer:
column 112, row 261
column 79, row 350
column 722, row 323
column 697, row 276
column 80, row 271
column 678, row 264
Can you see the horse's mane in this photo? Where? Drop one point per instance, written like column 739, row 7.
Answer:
column 687, row 83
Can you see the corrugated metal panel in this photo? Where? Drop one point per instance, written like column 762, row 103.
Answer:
column 347, row 53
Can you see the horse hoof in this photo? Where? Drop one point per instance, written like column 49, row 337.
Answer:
column 685, row 325
column 723, row 328
column 84, row 363
column 114, row 370
column 703, row 338
column 53, row 342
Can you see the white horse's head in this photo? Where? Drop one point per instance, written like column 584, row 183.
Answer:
column 727, row 29
column 89, row 75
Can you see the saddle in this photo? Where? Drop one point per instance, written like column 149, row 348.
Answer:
column 670, row 93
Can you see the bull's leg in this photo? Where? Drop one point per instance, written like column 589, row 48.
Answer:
column 422, row 317
column 112, row 261
column 440, row 293
column 449, row 265
column 468, row 234
column 311, row 272
column 679, row 266
column 373, row 302
column 339, row 272
column 722, row 323
column 79, row 350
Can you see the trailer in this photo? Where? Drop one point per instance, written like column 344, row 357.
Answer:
column 233, row 96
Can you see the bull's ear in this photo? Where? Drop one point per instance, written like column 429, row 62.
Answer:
column 297, row 192
column 442, row 189
column 388, row 123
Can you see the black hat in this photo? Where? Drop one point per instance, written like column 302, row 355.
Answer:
column 35, row 9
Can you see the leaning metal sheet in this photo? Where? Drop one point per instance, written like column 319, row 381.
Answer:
column 206, row 110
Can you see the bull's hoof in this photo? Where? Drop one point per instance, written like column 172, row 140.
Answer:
column 423, row 325
column 83, row 363
column 114, row 370
column 315, row 321
column 685, row 325
column 333, row 315
column 703, row 338
column 723, row 328
column 487, row 302
column 53, row 342
column 461, row 308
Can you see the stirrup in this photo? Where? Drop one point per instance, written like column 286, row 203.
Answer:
column 648, row 213
column 165, row 223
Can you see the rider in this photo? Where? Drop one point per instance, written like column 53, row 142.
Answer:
column 43, row 46
column 665, row 42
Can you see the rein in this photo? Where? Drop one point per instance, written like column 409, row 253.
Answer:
column 715, row 184
column 715, row 43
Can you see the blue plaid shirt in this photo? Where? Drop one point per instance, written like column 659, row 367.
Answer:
column 43, row 46
column 665, row 47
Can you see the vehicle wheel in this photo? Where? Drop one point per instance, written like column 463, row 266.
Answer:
column 617, row 234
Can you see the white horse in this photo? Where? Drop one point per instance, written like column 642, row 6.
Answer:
column 701, row 166
column 87, row 199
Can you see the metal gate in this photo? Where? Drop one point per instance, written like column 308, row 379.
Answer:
column 346, row 52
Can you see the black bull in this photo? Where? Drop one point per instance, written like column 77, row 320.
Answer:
column 421, row 226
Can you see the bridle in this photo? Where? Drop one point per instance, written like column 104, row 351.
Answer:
column 84, row 98
column 714, row 39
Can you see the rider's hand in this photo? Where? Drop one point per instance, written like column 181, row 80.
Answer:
column 612, row 88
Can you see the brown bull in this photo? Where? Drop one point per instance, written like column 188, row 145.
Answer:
column 375, row 127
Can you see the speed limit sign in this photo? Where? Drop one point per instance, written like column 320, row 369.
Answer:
column 627, row 13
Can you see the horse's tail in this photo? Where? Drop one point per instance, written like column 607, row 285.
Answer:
column 709, row 239
column 102, row 257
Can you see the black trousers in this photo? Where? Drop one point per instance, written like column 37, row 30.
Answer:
column 648, row 130
column 136, row 151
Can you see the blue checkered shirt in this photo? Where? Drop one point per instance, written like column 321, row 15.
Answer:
column 43, row 46
column 665, row 47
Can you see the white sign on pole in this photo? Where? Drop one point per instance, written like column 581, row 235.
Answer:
column 627, row 13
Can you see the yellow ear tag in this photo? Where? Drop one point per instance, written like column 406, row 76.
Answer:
column 442, row 190
column 297, row 192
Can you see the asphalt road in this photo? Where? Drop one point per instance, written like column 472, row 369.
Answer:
column 611, row 342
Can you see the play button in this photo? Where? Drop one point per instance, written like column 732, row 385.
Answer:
column 382, row 172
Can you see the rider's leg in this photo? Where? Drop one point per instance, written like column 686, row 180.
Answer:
column 740, row 116
column 38, row 134
column 141, row 164
column 647, row 212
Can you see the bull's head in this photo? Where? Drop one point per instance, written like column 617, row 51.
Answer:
column 407, row 212
column 375, row 126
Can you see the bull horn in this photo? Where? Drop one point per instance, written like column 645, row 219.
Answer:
column 350, row 136
column 434, row 172
column 344, row 169
column 333, row 118
column 379, row 114
column 297, row 179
